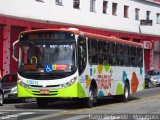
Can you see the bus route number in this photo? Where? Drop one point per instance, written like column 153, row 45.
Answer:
column 32, row 82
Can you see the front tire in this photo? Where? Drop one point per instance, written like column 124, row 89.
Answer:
column 89, row 102
column 92, row 98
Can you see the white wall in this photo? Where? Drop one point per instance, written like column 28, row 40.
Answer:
column 66, row 14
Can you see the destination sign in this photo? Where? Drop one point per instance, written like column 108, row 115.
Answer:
column 41, row 36
column 54, row 35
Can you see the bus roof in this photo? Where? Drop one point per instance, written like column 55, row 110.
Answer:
column 86, row 34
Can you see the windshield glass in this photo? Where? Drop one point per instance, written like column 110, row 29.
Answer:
column 47, row 57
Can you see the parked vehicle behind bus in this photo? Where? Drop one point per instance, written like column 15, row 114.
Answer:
column 1, row 94
column 9, row 83
column 148, row 83
column 154, row 76
column 68, row 63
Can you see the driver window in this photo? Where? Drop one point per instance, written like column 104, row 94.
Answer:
column 82, row 54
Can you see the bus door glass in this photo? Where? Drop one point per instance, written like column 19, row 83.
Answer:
column 82, row 54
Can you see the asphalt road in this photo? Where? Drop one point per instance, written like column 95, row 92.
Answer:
column 144, row 105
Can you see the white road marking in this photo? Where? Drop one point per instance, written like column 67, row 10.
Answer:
column 29, row 110
column 7, row 116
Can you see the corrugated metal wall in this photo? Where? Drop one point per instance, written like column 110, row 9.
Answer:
column 1, row 47
column 147, row 59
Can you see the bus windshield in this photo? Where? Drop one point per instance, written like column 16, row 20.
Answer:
column 47, row 58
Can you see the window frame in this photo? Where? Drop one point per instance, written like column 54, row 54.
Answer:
column 114, row 8
column 92, row 5
column 126, row 11
column 59, row 2
column 105, row 7
column 148, row 14
column 76, row 4
column 137, row 13
column 158, row 18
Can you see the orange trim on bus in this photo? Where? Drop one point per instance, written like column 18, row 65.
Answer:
column 91, row 35
column 117, row 40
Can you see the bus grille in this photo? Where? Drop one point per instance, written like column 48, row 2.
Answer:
column 46, row 76
column 48, row 86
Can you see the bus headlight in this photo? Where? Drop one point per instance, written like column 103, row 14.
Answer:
column 71, row 82
column 23, row 84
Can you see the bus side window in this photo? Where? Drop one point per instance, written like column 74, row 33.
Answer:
column 133, row 56
column 126, row 55
column 92, row 51
column 82, row 54
column 102, row 51
column 139, row 57
column 120, row 54
column 112, row 53
column 106, row 57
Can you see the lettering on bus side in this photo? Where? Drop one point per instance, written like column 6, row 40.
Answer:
column 104, row 81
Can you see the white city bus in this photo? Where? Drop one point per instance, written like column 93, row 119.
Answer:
column 68, row 63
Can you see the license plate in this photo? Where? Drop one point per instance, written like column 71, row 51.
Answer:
column 44, row 91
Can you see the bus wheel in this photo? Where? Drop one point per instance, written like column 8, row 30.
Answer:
column 91, row 99
column 126, row 94
column 42, row 103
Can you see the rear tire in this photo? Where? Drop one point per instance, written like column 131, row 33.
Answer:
column 42, row 103
column 126, row 94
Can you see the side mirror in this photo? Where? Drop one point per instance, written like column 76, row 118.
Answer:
column 14, row 51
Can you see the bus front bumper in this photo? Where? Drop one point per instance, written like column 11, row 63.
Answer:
column 73, row 91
